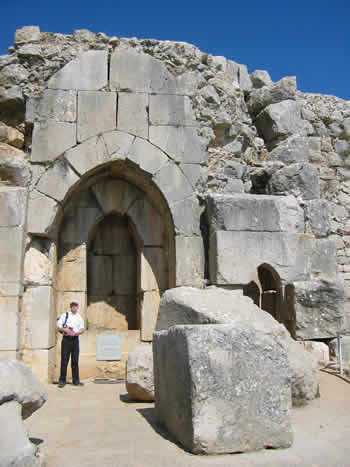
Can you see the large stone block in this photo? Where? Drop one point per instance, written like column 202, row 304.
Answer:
column 149, row 313
column 88, row 73
column 58, row 180
column 189, row 261
column 133, row 113
column 173, row 183
column 139, row 373
column 51, row 139
column 138, row 72
column 42, row 212
column 39, row 318
column 148, row 157
column 154, row 272
column 71, row 271
column 186, row 215
column 38, row 265
column 187, row 305
column 171, row 110
column 235, row 256
column 257, row 213
column 196, row 174
column 318, row 217
column 118, row 143
column 147, row 221
column 212, row 372
column 9, row 323
column 88, row 155
column 13, row 204
column 280, row 120
column 97, row 112
column 16, row 450
column 318, row 307
column 19, row 384
column 301, row 180
column 11, row 254
column 181, row 143
column 324, row 259
column 57, row 105
column 297, row 149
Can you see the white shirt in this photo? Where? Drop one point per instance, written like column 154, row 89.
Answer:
column 74, row 321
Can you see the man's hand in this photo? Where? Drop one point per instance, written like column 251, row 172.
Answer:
column 69, row 332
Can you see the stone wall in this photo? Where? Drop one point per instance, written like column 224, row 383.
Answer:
column 175, row 123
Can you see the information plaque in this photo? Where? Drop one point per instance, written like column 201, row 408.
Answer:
column 109, row 347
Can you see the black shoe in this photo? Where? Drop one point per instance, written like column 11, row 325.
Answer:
column 78, row 384
column 61, row 384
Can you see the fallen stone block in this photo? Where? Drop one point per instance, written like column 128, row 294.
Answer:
column 18, row 383
column 318, row 308
column 222, row 388
column 21, row 394
column 139, row 373
column 187, row 305
column 15, row 448
column 279, row 120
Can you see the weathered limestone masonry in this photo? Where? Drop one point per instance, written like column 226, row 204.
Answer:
column 128, row 167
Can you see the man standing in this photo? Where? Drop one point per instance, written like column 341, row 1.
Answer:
column 71, row 325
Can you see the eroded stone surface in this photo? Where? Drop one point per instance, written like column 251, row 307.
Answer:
column 88, row 73
column 186, row 305
column 214, row 386
column 19, row 384
column 255, row 213
column 51, row 139
column 97, row 113
column 139, row 373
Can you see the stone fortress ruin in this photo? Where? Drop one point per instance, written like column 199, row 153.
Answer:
column 129, row 167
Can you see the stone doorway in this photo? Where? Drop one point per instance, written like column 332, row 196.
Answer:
column 114, row 255
column 112, row 277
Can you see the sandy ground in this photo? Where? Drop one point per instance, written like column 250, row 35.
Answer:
column 96, row 425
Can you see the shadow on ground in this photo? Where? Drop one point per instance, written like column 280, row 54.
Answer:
column 149, row 414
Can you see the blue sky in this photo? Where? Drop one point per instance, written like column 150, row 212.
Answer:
column 309, row 39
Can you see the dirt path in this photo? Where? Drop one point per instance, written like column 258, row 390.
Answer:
column 95, row 426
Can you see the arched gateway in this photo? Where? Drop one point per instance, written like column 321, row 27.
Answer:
column 112, row 207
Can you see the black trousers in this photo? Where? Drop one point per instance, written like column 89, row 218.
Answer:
column 70, row 348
